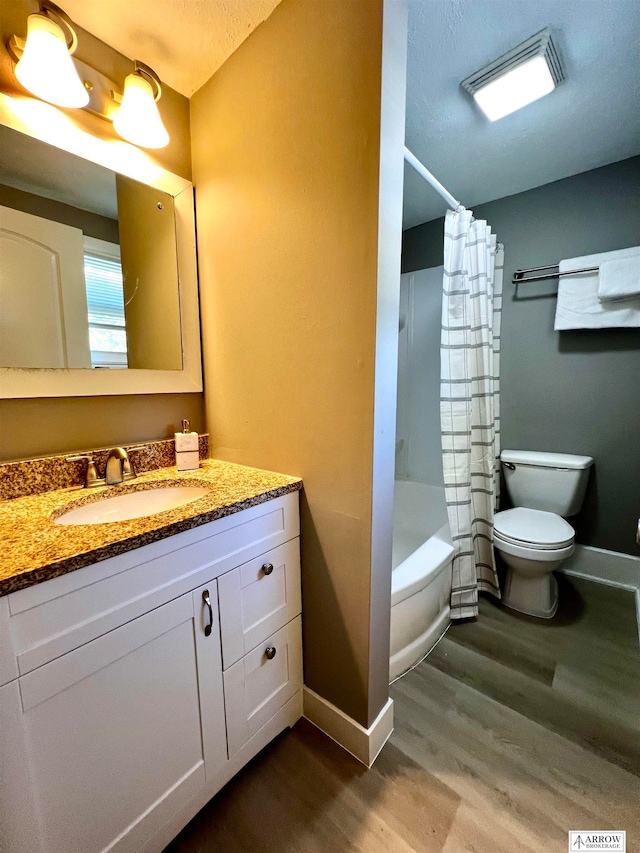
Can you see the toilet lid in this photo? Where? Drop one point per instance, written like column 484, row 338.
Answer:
column 533, row 526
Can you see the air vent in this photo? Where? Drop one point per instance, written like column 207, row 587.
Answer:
column 516, row 78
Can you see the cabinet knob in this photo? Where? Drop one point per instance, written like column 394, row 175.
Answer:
column 207, row 600
column 267, row 568
column 270, row 652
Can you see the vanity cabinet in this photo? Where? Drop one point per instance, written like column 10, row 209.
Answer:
column 122, row 724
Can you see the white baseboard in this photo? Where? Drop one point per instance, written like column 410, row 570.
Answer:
column 609, row 567
column 363, row 744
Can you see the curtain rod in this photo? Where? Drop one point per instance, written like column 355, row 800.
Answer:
column 413, row 161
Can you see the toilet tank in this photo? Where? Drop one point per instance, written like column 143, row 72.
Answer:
column 554, row 482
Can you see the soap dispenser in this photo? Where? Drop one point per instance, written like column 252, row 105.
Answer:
column 187, row 451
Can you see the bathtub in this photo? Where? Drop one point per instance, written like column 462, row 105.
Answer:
column 421, row 579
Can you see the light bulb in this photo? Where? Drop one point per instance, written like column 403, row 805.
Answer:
column 138, row 119
column 46, row 68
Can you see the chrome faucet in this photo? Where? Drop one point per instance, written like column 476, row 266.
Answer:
column 119, row 467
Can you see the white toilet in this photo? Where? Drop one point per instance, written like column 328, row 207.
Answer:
column 533, row 538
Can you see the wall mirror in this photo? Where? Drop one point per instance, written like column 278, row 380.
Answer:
column 98, row 290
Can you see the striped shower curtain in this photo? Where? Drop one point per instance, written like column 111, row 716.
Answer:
column 469, row 403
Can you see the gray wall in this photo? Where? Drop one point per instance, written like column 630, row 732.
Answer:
column 578, row 391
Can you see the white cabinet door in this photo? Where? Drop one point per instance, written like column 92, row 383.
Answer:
column 124, row 730
column 259, row 684
column 257, row 599
column 8, row 663
column 43, row 301
column 19, row 826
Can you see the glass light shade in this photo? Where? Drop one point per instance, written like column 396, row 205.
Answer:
column 46, row 68
column 515, row 89
column 138, row 119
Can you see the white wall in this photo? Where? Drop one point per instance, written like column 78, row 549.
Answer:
column 419, row 455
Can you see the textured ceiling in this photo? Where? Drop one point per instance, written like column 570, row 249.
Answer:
column 184, row 41
column 592, row 119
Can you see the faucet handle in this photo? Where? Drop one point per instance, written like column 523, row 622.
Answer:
column 128, row 470
column 91, row 478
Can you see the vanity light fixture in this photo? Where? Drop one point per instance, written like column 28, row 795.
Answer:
column 138, row 119
column 519, row 77
column 44, row 64
column 45, row 68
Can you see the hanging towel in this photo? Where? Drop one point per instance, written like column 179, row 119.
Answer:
column 578, row 304
column 619, row 279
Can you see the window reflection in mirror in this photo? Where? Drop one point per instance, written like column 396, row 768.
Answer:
column 88, row 264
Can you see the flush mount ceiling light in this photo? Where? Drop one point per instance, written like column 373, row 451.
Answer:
column 44, row 64
column 138, row 119
column 519, row 77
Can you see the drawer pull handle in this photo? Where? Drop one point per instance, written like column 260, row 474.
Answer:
column 207, row 600
column 267, row 568
column 270, row 652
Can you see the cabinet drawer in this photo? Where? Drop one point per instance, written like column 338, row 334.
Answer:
column 257, row 599
column 53, row 618
column 257, row 686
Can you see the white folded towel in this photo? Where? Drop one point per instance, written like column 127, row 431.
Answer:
column 619, row 279
column 578, row 304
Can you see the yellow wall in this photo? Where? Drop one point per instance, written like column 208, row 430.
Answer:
column 286, row 159
column 150, row 273
column 297, row 151
column 51, row 425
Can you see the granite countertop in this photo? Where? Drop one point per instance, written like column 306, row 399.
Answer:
column 35, row 549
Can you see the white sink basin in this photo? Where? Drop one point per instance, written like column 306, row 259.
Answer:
column 133, row 505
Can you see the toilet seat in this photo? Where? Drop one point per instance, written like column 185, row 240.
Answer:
column 532, row 529
column 531, row 552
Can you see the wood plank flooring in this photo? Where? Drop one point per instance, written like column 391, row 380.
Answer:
column 577, row 674
column 511, row 733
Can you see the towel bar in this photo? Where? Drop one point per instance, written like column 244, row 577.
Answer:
column 519, row 275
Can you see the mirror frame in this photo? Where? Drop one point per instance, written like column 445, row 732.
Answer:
column 48, row 124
